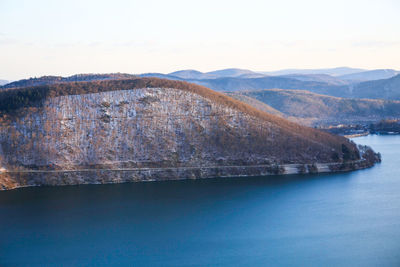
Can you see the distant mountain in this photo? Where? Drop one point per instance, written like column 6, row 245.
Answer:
column 244, row 73
column 74, row 78
column 317, row 83
column 378, row 89
column 383, row 89
column 236, row 73
column 332, row 76
column 331, row 71
column 3, row 82
column 325, row 78
column 197, row 75
column 314, row 109
column 160, row 75
column 252, row 75
column 370, row 75
column 218, row 84
column 271, row 82
column 192, row 74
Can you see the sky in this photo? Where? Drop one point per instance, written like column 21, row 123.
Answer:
column 50, row 37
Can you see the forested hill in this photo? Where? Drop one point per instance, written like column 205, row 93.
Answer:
column 384, row 89
column 58, row 79
column 315, row 109
column 156, row 124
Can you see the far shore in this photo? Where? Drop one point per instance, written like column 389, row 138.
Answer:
column 368, row 133
column 356, row 135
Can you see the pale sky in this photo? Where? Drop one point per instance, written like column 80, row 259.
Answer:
column 50, row 37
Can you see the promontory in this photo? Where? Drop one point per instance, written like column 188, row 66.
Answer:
column 146, row 129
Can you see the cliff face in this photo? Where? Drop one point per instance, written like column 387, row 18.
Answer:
column 154, row 133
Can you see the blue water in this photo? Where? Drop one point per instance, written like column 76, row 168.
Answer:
column 347, row 219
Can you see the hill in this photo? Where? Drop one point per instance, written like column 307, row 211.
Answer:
column 256, row 104
column 370, row 75
column 314, row 109
column 159, row 75
column 235, row 73
column 379, row 89
column 192, row 74
column 197, row 75
column 383, row 89
column 330, row 71
column 153, row 129
column 74, row 78
column 270, row 82
column 324, row 78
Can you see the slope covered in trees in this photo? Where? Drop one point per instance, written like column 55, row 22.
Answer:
column 370, row 75
column 147, row 126
column 379, row 89
column 314, row 109
column 74, row 78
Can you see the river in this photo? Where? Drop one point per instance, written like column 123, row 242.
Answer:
column 343, row 219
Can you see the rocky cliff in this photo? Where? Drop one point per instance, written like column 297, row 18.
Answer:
column 152, row 129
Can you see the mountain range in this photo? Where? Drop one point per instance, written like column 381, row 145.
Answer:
column 385, row 88
column 322, row 108
column 376, row 89
column 324, row 78
column 329, row 71
column 243, row 79
column 231, row 73
column 341, row 75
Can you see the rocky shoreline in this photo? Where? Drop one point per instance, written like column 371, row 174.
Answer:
column 17, row 179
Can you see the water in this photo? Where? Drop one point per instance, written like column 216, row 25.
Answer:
column 348, row 219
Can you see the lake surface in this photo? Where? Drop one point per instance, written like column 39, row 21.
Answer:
column 346, row 219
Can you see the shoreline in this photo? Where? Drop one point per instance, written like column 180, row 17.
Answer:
column 368, row 133
column 357, row 135
column 29, row 178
